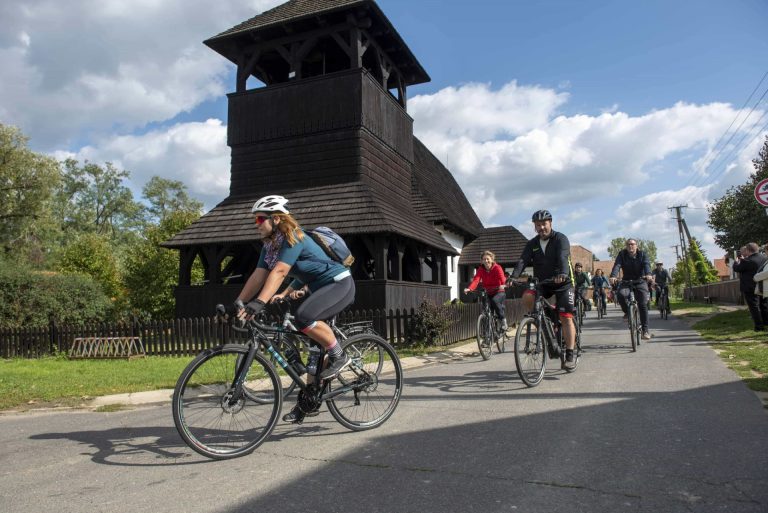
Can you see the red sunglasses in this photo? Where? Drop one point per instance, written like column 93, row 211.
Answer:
column 259, row 220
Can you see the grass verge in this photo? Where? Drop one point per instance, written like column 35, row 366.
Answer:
column 742, row 349
column 57, row 381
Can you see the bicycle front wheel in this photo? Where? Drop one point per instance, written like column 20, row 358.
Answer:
column 500, row 334
column 375, row 380
column 599, row 304
column 208, row 414
column 633, row 327
column 484, row 334
column 530, row 352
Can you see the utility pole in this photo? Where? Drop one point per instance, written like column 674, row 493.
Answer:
column 683, row 231
column 677, row 251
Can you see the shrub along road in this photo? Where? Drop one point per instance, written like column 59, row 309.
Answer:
column 668, row 428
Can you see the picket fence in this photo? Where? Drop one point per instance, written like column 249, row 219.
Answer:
column 187, row 337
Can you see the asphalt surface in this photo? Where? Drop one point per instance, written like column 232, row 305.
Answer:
column 666, row 429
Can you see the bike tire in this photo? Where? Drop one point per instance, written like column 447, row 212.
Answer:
column 377, row 377
column 530, row 352
column 483, row 336
column 600, row 312
column 632, row 326
column 201, row 411
column 664, row 308
column 500, row 335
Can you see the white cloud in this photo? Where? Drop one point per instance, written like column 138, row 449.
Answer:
column 195, row 153
column 80, row 67
column 534, row 159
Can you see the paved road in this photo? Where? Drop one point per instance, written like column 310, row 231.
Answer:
column 667, row 429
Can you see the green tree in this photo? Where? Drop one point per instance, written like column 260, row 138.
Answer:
column 737, row 218
column 168, row 196
column 27, row 182
column 698, row 268
column 94, row 199
column 704, row 271
column 647, row 246
column 93, row 255
column 31, row 298
column 151, row 271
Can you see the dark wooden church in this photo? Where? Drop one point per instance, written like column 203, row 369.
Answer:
column 327, row 127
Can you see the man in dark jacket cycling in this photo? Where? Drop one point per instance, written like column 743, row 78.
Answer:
column 550, row 254
column 634, row 265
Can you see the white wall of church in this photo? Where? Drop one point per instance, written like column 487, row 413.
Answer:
column 457, row 241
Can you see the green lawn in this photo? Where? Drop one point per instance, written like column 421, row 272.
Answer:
column 741, row 348
column 56, row 381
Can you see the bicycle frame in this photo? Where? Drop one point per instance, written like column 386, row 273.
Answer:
column 258, row 340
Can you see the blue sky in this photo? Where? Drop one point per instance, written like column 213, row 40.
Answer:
column 605, row 112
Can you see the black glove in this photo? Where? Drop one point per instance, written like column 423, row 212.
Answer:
column 254, row 307
column 237, row 306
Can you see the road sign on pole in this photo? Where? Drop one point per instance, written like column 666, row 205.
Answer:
column 761, row 192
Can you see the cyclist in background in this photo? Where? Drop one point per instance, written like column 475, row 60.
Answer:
column 491, row 276
column 599, row 284
column 661, row 279
column 286, row 251
column 550, row 254
column 634, row 265
column 581, row 279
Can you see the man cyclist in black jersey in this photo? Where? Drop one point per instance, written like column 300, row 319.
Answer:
column 634, row 265
column 550, row 254
column 661, row 279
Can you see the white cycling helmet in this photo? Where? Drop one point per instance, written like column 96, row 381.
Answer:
column 270, row 204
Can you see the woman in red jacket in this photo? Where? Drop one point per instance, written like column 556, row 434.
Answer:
column 491, row 276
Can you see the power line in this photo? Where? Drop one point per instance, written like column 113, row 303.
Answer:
column 716, row 175
column 738, row 113
column 714, row 155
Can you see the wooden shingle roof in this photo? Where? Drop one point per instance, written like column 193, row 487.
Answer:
column 296, row 16
column 349, row 209
column 505, row 241
column 437, row 197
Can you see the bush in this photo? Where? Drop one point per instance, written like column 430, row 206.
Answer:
column 30, row 298
column 429, row 323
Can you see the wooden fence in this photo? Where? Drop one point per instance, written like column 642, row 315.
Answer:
column 187, row 337
column 719, row 292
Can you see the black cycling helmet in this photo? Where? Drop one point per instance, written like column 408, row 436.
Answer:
column 541, row 215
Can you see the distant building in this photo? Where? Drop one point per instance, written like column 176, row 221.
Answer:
column 583, row 256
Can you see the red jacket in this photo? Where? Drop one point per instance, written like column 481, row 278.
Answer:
column 493, row 281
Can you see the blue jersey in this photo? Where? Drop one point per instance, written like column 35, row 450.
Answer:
column 309, row 264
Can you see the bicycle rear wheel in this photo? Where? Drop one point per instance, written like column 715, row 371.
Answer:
column 530, row 352
column 376, row 378
column 207, row 415
column 484, row 334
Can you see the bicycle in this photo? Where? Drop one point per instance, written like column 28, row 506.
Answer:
column 663, row 303
column 580, row 308
column 539, row 336
column 227, row 401
column 290, row 341
column 633, row 313
column 489, row 327
column 599, row 305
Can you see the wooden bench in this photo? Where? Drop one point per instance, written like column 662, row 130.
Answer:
column 107, row 347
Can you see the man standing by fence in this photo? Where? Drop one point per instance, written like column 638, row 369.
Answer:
column 747, row 264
